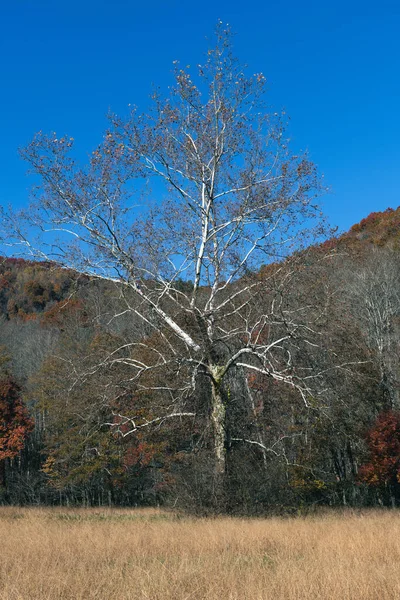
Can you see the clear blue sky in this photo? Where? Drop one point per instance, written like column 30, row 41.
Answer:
column 334, row 66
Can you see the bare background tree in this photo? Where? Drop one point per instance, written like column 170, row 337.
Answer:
column 375, row 293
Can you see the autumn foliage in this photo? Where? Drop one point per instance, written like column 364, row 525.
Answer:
column 29, row 289
column 15, row 422
column 383, row 468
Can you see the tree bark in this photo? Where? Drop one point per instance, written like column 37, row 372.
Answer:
column 218, row 419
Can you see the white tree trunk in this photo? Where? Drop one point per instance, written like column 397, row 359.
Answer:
column 218, row 419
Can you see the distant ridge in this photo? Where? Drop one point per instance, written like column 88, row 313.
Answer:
column 378, row 228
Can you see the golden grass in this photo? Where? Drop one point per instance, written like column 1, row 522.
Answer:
column 152, row 555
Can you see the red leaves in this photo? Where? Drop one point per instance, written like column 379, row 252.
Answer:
column 384, row 448
column 15, row 423
column 140, row 454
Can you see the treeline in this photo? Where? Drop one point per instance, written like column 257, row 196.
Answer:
column 77, row 428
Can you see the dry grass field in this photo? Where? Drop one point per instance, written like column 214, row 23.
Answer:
column 153, row 555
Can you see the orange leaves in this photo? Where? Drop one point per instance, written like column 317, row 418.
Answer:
column 378, row 228
column 27, row 289
column 15, row 422
column 61, row 311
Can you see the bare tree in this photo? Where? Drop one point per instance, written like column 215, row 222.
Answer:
column 375, row 297
column 180, row 207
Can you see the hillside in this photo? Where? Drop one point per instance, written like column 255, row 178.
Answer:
column 29, row 290
column 60, row 330
column 378, row 229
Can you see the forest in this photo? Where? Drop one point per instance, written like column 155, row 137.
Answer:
column 78, row 429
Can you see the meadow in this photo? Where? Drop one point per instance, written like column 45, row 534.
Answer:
column 150, row 554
